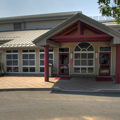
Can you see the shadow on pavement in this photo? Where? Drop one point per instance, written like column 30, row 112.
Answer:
column 105, row 94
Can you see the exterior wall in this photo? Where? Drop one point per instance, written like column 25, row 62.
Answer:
column 6, row 27
column 71, row 46
column 42, row 24
column 96, row 46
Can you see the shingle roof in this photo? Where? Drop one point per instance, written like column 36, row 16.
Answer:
column 20, row 38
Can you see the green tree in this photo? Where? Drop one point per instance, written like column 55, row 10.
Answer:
column 110, row 8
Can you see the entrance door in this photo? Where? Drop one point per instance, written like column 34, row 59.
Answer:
column 104, row 64
column 63, row 63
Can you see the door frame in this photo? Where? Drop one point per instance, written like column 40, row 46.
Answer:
column 60, row 64
column 107, row 75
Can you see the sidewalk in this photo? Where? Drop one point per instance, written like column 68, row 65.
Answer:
column 74, row 84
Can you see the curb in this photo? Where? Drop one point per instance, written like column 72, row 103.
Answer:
column 26, row 89
column 59, row 89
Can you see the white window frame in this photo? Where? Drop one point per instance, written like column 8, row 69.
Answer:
column 40, row 66
column 86, row 66
column 28, row 60
column 11, row 53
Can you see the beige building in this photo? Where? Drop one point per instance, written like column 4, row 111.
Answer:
column 78, row 45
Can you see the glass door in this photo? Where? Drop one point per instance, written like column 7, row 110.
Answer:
column 63, row 63
column 104, row 64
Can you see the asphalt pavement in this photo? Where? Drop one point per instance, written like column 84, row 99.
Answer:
column 56, row 105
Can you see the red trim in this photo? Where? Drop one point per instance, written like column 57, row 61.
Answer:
column 100, row 74
column 117, row 63
column 80, row 37
column 60, row 73
column 46, row 57
column 79, row 28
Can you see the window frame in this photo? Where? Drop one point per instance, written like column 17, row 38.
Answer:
column 84, row 66
column 28, row 66
column 12, row 66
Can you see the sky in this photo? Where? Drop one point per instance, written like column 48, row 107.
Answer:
column 10, row 8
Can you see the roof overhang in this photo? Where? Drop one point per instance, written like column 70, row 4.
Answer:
column 42, row 40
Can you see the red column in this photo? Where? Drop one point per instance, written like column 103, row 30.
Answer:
column 46, row 58
column 117, row 63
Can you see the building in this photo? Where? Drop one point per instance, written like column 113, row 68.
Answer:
column 74, row 43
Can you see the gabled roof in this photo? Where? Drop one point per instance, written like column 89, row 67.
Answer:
column 41, row 40
column 20, row 38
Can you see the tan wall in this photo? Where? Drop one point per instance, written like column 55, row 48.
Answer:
column 4, row 27
column 42, row 24
column 71, row 46
column 96, row 46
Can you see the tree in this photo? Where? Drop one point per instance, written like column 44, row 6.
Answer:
column 110, row 8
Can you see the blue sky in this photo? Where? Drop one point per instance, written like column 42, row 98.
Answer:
column 30, row 7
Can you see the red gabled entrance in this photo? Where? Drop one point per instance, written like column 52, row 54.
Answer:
column 77, row 32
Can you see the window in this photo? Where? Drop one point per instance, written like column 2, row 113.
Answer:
column 28, row 57
column 84, row 58
column 42, row 58
column 12, row 60
column 105, row 49
column 17, row 26
column 63, row 49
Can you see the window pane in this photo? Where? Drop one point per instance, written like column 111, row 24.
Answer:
column 31, row 56
column 50, row 56
column 25, row 56
column 83, row 62
column 84, row 55
column 77, row 48
column 15, row 69
column 42, row 50
column 90, row 48
column 50, row 50
column 8, row 51
column 9, row 69
column 25, row 69
column 77, row 55
column 9, row 62
column 63, row 49
column 90, row 70
column 90, row 56
column 31, row 50
column 9, row 56
column 41, row 69
column 104, row 69
column 90, row 62
column 83, row 70
column 41, row 62
column 32, row 69
column 41, row 56
column 77, row 70
column 77, row 62
column 15, row 51
column 25, row 51
column 25, row 62
column 15, row 56
column 32, row 62
column 15, row 62
column 105, row 48
column 84, row 45
column 51, row 62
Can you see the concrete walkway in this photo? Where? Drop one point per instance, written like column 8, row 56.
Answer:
column 74, row 84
